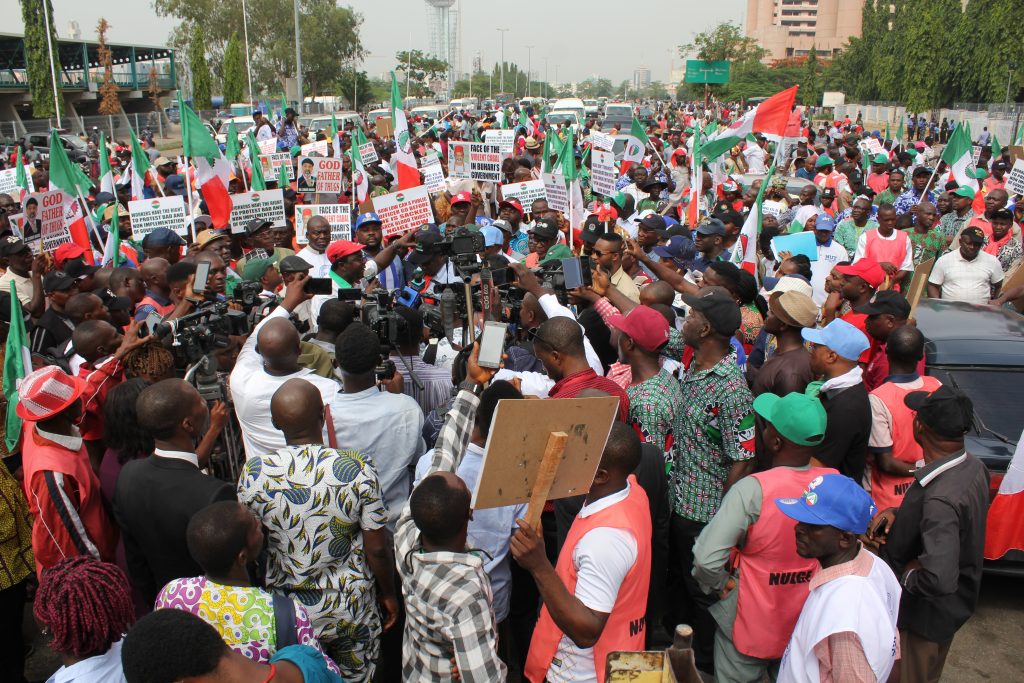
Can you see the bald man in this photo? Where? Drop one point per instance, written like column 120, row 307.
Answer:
column 268, row 359
column 158, row 292
column 339, row 589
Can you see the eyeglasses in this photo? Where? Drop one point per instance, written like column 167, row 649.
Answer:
column 533, row 336
column 599, row 253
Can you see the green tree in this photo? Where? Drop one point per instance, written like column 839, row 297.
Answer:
column 926, row 71
column 420, row 68
column 37, row 58
column 199, row 70
column 989, row 37
column 233, row 72
column 810, row 83
column 355, row 87
column 726, row 42
column 109, row 102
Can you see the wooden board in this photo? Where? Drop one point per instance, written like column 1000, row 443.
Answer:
column 519, row 437
column 1015, row 279
column 385, row 128
column 919, row 284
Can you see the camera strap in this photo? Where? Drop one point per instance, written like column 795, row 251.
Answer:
column 332, row 437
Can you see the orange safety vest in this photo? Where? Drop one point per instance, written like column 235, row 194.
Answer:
column 625, row 628
column 773, row 578
column 888, row 489
column 886, row 251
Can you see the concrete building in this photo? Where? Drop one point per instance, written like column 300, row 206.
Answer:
column 641, row 77
column 788, row 28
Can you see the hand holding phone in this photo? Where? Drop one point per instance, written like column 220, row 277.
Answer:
column 492, row 345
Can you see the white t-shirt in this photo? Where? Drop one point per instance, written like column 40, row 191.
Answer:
column 321, row 264
column 755, row 157
column 828, row 257
column 963, row 280
column 602, row 559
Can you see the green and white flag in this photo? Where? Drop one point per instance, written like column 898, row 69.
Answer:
column 257, row 183
column 636, row 146
column 140, row 167
column 997, row 149
column 17, row 364
column 959, row 155
column 106, row 173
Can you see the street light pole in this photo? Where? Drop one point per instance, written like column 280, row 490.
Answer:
column 248, row 65
column 298, row 59
column 53, row 70
column 501, row 79
column 1009, row 79
column 529, row 69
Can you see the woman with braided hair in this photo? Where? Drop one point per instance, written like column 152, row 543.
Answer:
column 86, row 606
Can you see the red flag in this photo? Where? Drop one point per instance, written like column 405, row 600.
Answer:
column 773, row 114
column 1004, row 530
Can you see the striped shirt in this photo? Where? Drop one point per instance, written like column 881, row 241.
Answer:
column 447, row 594
column 435, row 381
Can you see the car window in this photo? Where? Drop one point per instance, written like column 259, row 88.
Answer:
column 997, row 395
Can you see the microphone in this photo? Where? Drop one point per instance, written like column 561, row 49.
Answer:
column 448, row 305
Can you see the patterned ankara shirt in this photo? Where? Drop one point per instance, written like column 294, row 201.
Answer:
column 847, row 233
column 929, row 245
column 314, row 501
column 713, row 430
column 950, row 224
column 908, row 199
column 243, row 615
column 652, row 408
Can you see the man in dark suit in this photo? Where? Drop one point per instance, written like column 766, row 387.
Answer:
column 156, row 497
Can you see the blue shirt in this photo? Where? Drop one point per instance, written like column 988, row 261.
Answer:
column 308, row 661
column 909, row 198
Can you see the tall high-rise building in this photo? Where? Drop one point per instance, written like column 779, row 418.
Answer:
column 788, row 28
column 641, row 77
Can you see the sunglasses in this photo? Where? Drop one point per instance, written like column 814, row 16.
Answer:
column 599, row 253
column 533, row 336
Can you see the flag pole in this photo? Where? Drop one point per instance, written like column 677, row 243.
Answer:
column 930, row 179
column 188, row 200
column 241, row 171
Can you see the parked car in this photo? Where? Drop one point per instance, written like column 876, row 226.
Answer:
column 618, row 116
column 322, row 123
column 980, row 351
column 73, row 145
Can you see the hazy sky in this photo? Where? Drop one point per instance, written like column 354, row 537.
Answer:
column 582, row 37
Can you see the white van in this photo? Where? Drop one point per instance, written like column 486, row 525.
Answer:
column 571, row 104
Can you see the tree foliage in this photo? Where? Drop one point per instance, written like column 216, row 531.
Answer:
column 726, row 42
column 810, row 84
column 329, row 36
column 233, row 76
column 355, row 87
column 37, row 57
column 199, row 70
column 109, row 103
column 420, row 69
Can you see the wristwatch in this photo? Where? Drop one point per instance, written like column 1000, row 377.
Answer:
column 471, row 386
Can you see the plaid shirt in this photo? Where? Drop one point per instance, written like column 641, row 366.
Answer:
column 447, row 594
column 714, row 428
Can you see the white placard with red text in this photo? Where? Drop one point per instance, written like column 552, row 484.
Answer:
column 404, row 210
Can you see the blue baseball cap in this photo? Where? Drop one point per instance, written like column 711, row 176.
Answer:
column 680, row 249
column 492, row 236
column 832, row 500
column 365, row 218
column 825, row 222
column 846, row 340
column 163, row 237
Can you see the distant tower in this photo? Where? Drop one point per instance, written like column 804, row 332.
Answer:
column 74, row 32
column 442, row 22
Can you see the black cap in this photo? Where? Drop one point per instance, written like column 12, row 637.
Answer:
column 974, row 234
column 293, row 264
column 711, row 227
column 426, row 247
column 78, row 268
column 255, row 225
column 653, row 183
column 11, row 245
column 946, row 411
column 112, row 302
column 653, row 221
column 828, row 192
column 545, row 229
column 730, row 216
column 592, row 229
column 57, row 281
column 718, row 307
column 886, row 302
column 999, row 166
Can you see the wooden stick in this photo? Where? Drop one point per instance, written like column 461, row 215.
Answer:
column 546, row 477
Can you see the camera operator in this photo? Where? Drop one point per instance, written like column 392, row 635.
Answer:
column 429, row 256
column 268, row 359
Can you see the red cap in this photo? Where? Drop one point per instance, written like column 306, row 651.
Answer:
column 867, row 269
column 644, row 325
column 462, row 197
column 66, row 252
column 342, row 248
column 46, row 392
column 514, row 203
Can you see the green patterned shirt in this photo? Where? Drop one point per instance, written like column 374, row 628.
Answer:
column 951, row 224
column 713, row 430
column 929, row 245
column 652, row 408
column 847, row 233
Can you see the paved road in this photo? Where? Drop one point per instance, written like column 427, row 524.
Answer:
column 987, row 648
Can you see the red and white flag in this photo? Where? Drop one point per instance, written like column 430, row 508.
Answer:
column 1005, row 526
column 405, row 161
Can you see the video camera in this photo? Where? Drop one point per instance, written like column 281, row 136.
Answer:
column 462, row 247
column 563, row 276
column 198, row 334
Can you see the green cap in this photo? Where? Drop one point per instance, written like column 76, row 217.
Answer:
column 912, row 152
column 796, row 417
column 977, row 173
column 880, row 159
column 255, row 269
column 559, row 251
column 295, row 151
column 824, row 160
column 964, row 191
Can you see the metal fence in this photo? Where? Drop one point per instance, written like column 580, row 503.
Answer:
column 115, row 126
column 1001, row 122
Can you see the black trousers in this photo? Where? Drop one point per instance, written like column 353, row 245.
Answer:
column 12, row 643
column 687, row 603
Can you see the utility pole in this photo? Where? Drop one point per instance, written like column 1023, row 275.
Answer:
column 298, row 59
column 501, row 79
column 545, row 78
column 248, row 65
column 529, row 69
column 53, row 70
column 1009, row 79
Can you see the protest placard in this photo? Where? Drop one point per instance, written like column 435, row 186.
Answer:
column 368, row 153
column 266, row 205
column 307, row 178
column 338, row 215
column 45, row 219
column 18, row 228
column 328, row 175
column 525, row 193
column 385, row 128
column 404, row 210
column 505, row 139
column 9, row 181
column 475, row 161
column 430, row 159
column 557, row 194
column 271, row 162
column 159, row 212
column 319, row 147
column 603, row 173
column 433, row 178
column 1015, row 178
column 602, row 140
column 975, row 154
column 268, row 146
